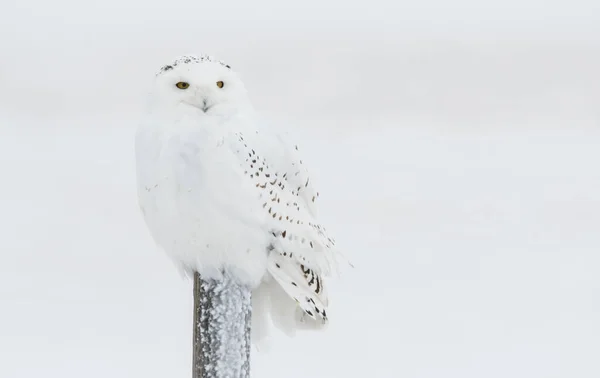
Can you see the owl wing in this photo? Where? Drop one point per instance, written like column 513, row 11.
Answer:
column 301, row 250
column 299, row 176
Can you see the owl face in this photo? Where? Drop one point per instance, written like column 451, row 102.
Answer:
column 207, row 87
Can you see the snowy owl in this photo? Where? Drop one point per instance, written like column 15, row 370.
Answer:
column 222, row 192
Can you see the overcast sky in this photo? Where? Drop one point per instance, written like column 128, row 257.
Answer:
column 575, row 19
column 75, row 56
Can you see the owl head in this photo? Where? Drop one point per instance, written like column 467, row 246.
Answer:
column 199, row 84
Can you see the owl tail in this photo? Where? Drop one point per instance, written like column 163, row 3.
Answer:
column 293, row 297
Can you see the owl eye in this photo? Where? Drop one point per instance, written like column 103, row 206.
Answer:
column 220, row 84
column 182, row 85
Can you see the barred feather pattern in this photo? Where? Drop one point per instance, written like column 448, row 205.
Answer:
column 301, row 251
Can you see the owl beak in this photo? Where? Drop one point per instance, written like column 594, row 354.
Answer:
column 204, row 106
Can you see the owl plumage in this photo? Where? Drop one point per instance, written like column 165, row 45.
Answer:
column 222, row 191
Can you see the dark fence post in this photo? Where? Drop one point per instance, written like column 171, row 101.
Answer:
column 222, row 315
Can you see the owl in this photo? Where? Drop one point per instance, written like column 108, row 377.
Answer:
column 223, row 192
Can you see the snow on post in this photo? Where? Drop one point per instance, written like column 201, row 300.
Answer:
column 222, row 314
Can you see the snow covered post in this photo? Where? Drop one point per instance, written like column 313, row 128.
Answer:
column 222, row 314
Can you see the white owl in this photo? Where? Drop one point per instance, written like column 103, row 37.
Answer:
column 221, row 192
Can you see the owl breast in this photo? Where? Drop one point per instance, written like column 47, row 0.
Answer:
column 197, row 206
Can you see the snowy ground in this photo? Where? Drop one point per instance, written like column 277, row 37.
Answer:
column 459, row 170
column 476, row 256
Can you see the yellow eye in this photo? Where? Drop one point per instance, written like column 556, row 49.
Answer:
column 220, row 84
column 182, row 85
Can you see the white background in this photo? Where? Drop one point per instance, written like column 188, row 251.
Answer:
column 456, row 145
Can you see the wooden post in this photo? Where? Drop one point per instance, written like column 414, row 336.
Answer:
column 222, row 315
